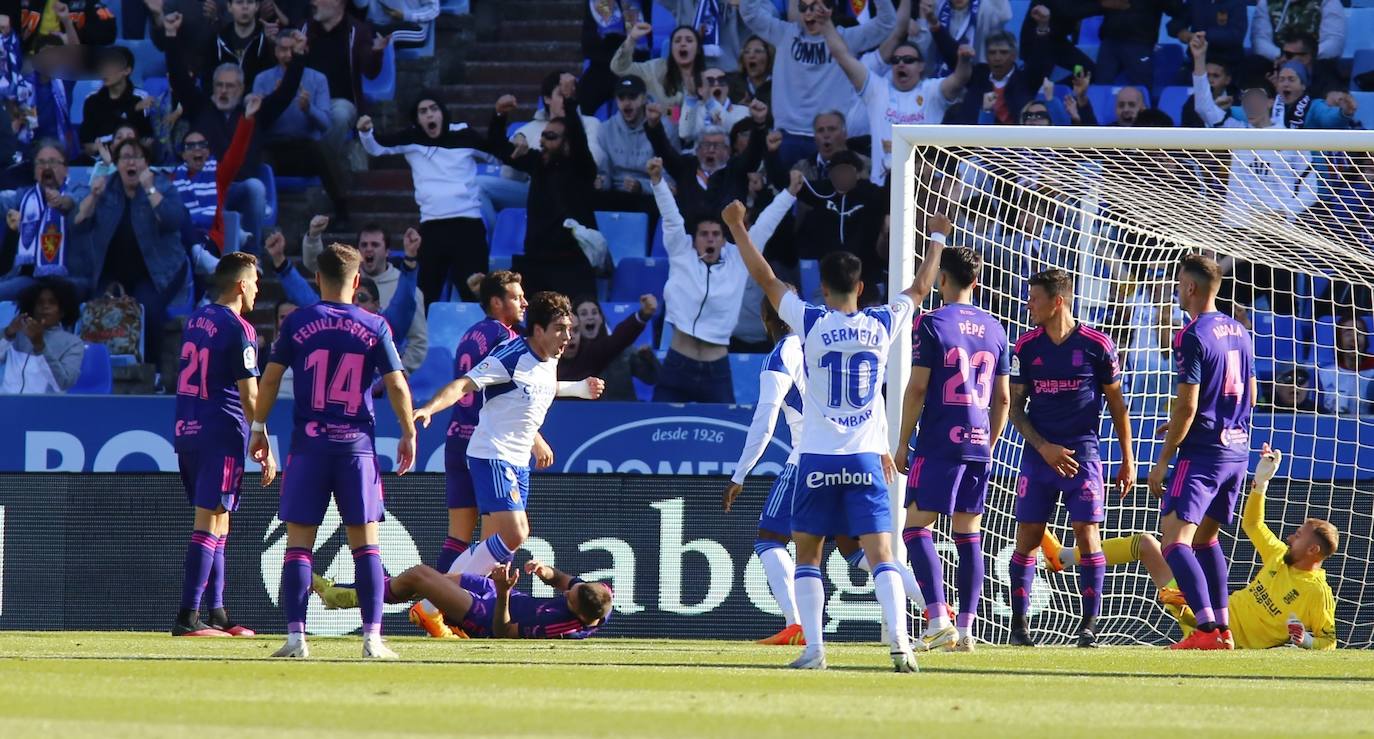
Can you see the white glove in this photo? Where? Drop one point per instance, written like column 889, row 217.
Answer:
column 1268, row 466
column 1297, row 633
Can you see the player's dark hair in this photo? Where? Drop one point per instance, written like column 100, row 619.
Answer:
column 62, row 290
column 1327, row 537
column 772, row 322
column 840, row 272
column 593, row 602
column 1055, row 282
column 550, row 83
column 370, row 285
column 547, row 307
column 1202, row 269
column 494, row 286
column 231, row 269
column 961, row 265
column 338, row 263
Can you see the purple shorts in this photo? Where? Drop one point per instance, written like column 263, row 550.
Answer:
column 477, row 621
column 211, row 480
column 1039, row 488
column 1204, row 487
column 308, row 480
column 458, row 490
column 947, row 485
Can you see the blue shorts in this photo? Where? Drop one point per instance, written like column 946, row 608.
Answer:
column 211, row 480
column 1040, row 487
column 776, row 517
column 458, row 492
column 947, row 486
column 308, row 481
column 841, row 495
column 498, row 485
column 1204, row 487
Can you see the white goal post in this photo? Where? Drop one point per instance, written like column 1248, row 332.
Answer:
column 1117, row 207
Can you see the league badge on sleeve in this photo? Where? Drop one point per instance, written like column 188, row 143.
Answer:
column 250, row 357
column 1015, row 365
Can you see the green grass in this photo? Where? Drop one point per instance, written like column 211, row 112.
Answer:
column 120, row 684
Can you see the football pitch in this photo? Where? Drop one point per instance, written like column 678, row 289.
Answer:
column 135, row 684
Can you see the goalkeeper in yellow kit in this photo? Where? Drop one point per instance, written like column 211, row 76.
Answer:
column 1288, row 601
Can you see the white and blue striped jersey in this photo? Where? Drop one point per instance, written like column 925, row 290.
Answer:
column 517, row 388
column 845, row 359
column 781, row 383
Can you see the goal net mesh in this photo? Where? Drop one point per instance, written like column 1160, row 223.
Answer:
column 1293, row 229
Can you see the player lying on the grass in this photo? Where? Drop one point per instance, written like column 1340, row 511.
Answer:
column 843, row 461
column 477, row 606
column 1288, row 601
column 1061, row 372
column 959, row 392
column 519, row 381
column 780, row 386
column 217, row 390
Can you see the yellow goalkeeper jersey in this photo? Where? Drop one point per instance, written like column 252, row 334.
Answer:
column 1259, row 613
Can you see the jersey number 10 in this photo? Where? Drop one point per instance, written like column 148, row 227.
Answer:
column 855, row 379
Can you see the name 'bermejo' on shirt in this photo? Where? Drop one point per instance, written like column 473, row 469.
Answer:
column 335, row 352
column 845, row 356
column 1214, row 351
column 965, row 349
column 1064, row 384
column 218, row 349
column 517, row 389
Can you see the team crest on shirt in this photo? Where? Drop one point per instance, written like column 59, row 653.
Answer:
column 1078, row 357
column 1015, row 366
column 920, row 100
column 250, row 357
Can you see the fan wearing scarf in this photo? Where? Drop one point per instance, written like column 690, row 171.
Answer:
column 1294, row 108
column 37, row 231
column 955, row 23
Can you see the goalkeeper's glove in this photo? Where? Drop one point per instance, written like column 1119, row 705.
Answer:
column 1268, row 465
column 1297, row 633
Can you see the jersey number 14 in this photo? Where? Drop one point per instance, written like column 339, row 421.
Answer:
column 343, row 386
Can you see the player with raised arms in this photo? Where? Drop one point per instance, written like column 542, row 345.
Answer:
column 1209, row 428
column 217, row 392
column 1061, row 371
column 843, row 468
column 335, row 351
column 519, row 381
column 959, row 391
column 490, row 606
column 780, row 389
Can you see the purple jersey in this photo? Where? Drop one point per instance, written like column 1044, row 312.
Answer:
column 536, row 618
column 475, row 345
column 1214, row 352
column 335, row 353
column 218, row 348
column 1064, row 384
column 965, row 348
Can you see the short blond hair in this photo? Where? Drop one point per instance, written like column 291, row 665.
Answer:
column 1328, row 538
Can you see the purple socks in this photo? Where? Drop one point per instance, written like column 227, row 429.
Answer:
column 1092, row 571
column 296, row 569
column 1214, row 568
column 925, row 564
column 216, row 584
column 371, row 582
column 1192, row 581
column 200, row 557
column 970, row 574
column 1022, row 571
column 450, row 551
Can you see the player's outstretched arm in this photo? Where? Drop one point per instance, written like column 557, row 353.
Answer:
column 733, row 215
column 588, row 389
column 839, row 50
column 940, row 229
column 1180, row 421
column 398, row 392
column 1269, row 547
column 444, row 399
column 259, row 450
column 913, row 402
column 504, row 578
column 552, row 576
column 248, row 398
column 1121, row 421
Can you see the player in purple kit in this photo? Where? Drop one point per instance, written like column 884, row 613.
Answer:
column 217, row 391
column 490, row 607
column 335, row 351
column 1209, row 428
column 1060, row 372
column 958, row 390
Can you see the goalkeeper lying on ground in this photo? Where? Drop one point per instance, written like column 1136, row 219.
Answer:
column 1288, row 601
column 491, row 606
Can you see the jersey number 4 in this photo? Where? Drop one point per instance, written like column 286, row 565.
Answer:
column 343, row 386
column 854, row 379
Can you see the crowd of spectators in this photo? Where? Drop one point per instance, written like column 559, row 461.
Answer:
column 786, row 106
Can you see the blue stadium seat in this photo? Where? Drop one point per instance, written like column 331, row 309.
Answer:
column 435, row 372
column 810, row 280
column 7, row 310
column 1087, row 31
column 1359, row 30
column 1365, row 114
column 665, row 339
column 514, row 126
column 614, row 313
column 148, row 59
column 1364, row 62
column 1168, row 60
column 269, row 181
column 78, row 175
column 636, row 276
column 1103, row 99
column 499, row 261
column 1019, row 9
column 1279, row 342
column 625, row 233
column 233, row 224
column 184, row 301
column 1324, row 341
column 1172, row 99
column 97, row 376
column 657, row 249
column 80, row 91
column 508, row 237
column 449, row 321
column 423, row 51
column 381, row 88
column 744, row 375
column 454, row 7
column 663, row 23
column 156, row 87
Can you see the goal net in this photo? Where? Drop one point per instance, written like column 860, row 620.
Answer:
column 1287, row 213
